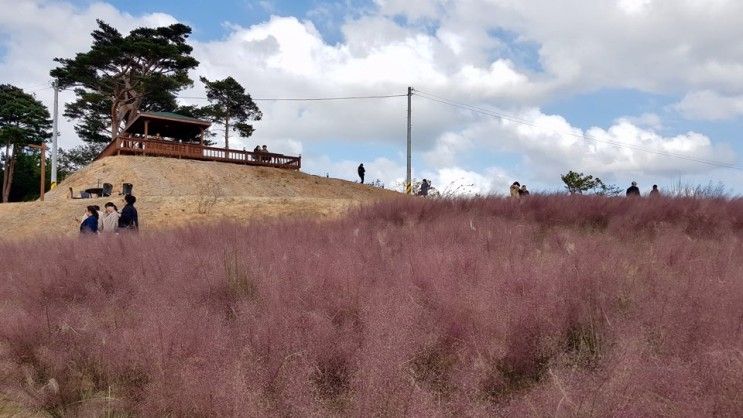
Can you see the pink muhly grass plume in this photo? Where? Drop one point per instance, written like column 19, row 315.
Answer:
column 551, row 305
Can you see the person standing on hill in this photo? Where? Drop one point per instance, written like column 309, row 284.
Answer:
column 425, row 187
column 361, row 171
column 129, row 219
column 515, row 189
column 110, row 218
column 655, row 192
column 523, row 191
column 633, row 190
column 90, row 223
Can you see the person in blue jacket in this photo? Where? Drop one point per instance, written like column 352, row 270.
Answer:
column 90, row 223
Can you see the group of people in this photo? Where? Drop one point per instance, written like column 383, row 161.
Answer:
column 261, row 150
column 633, row 190
column 110, row 220
column 518, row 190
column 422, row 191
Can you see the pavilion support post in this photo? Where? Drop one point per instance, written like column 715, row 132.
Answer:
column 146, row 129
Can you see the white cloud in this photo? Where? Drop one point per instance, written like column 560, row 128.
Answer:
column 581, row 46
column 550, row 145
column 390, row 172
column 459, row 181
column 413, row 9
column 657, row 46
column 633, row 6
column 709, row 105
column 646, row 120
column 31, row 43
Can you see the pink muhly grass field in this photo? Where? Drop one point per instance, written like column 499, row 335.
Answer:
column 541, row 306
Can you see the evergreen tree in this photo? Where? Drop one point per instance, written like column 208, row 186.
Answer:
column 230, row 107
column 23, row 121
column 122, row 75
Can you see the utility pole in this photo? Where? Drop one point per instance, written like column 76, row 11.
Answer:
column 54, row 137
column 408, row 177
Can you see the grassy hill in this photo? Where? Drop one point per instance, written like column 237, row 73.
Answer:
column 172, row 192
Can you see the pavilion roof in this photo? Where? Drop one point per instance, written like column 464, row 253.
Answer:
column 167, row 125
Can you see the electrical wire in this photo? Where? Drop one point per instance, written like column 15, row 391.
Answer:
column 307, row 99
column 617, row 144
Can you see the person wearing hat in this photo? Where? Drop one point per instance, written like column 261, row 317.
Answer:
column 633, row 190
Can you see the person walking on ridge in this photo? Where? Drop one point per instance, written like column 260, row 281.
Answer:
column 655, row 192
column 361, row 171
column 425, row 187
column 515, row 189
column 633, row 190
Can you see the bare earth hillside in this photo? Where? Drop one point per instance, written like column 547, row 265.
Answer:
column 172, row 192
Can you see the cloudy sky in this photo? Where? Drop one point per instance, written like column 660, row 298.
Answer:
column 646, row 90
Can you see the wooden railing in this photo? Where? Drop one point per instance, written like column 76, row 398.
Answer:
column 125, row 145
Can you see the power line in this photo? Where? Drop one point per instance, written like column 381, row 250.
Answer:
column 307, row 99
column 617, row 144
column 37, row 89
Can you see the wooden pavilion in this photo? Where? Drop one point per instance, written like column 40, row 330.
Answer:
column 163, row 134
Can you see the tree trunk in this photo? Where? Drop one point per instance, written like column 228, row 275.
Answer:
column 8, row 174
column 114, row 121
column 226, row 133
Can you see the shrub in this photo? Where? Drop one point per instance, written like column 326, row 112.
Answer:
column 550, row 305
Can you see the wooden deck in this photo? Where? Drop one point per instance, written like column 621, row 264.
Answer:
column 126, row 145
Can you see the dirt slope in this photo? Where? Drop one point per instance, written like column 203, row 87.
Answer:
column 172, row 192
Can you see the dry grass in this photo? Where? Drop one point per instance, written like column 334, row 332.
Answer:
column 170, row 192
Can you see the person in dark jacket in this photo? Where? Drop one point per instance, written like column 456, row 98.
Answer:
column 361, row 171
column 90, row 223
column 633, row 190
column 129, row 219
column 425, row 187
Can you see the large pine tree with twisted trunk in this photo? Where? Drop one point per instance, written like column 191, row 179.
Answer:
column 122, row 75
